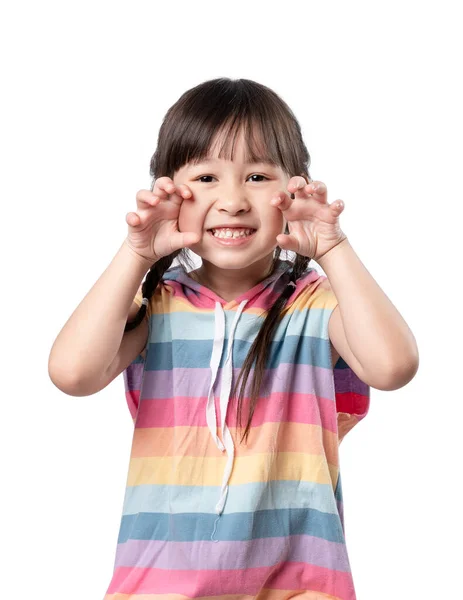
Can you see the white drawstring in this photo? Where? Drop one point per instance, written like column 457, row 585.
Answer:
column 217, row 349
column 227, row 377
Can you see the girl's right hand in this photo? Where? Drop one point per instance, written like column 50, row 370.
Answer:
column 153, row 228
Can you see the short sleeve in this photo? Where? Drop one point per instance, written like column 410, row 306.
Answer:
column 134, row 373
column 352, row 395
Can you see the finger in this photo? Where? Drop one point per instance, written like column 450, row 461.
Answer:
column 318, row 189
column 185, row 191
column 296, row 183
column 162, row 186
column 301, row 190
column 166, row 187
column 288, row 242
column 146, row 198
column 281, row 201
column 337, row 206
column 167, row 190
column 132, row 219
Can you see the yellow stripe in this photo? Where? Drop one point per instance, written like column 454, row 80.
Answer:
column 188, row 470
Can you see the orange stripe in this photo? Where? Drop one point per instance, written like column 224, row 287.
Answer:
column 197, row 441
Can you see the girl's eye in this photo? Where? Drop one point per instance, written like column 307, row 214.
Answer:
column 255, row 175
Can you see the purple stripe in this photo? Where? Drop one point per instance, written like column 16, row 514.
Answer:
column 160, row 554
column 286, row 378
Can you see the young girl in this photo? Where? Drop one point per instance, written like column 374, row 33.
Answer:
column 210, row 511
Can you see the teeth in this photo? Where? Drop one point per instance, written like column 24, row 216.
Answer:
column 228, row 233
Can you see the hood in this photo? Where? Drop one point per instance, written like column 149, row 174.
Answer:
column 262, row 295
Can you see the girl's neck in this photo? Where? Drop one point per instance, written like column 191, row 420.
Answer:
column 231, row 283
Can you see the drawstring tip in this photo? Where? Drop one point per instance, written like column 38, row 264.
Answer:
column 215, row 526
column 219, row 510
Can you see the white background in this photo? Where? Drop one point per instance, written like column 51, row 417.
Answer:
column 376, row 88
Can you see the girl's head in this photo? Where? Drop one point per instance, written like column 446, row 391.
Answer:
column 254, row 145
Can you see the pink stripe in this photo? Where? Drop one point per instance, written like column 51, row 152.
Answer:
column 133, row 401
column 127, row 580
column 262, row 298
column 314, row 579
column 191, row 412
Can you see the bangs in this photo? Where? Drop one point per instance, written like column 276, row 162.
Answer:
column 256, row 151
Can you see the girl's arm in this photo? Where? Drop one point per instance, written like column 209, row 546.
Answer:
column 377, row 336
column 90, row 340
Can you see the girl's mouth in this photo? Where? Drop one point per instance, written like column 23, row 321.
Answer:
column 232, row 236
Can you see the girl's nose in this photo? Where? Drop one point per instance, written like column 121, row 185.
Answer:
column 233, row 202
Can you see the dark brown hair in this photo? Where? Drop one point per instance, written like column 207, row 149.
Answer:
column 227, row 106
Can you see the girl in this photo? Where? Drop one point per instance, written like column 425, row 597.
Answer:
column 208, row 511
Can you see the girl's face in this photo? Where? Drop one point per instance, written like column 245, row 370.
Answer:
column 233, row 194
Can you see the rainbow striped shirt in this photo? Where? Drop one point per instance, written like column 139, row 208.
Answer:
column 205, row 516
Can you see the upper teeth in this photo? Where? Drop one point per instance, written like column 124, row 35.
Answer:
column 228, row 233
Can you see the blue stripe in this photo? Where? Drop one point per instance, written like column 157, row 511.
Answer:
column 191, row 527
column 295, row 350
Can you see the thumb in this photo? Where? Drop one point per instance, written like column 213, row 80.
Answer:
column 183, row 239
column 287, row 242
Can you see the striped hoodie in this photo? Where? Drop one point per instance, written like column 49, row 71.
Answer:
column 204, row 515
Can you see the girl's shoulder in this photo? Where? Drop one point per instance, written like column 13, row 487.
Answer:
column 312, row 287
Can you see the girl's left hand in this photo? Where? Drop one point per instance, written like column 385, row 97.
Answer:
column 313, row 223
